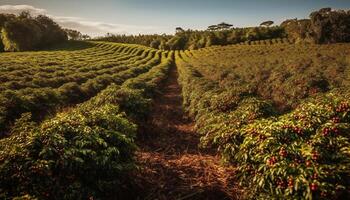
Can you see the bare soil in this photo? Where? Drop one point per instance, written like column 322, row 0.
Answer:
column 172, row 166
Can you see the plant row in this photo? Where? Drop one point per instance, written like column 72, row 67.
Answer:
column 85, row 152
column 45, row 98
column 299, row 152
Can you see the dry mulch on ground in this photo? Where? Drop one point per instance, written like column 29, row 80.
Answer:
column 171, row 164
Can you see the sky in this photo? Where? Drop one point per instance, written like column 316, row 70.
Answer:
column 98, row 17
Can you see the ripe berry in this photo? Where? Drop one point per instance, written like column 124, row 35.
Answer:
column 325, row 131
column 313, row 186
column 281, row 184
column 308, row 163
column 343, row 107
column 336, row 119
column 271, row 161
column 283, row 152
column 315, row 155
column 298, row 130
column 286, row 126
column 335, row 131
column 290, row 182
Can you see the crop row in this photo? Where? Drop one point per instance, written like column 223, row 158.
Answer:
column 52, row 69
column 268, row 42
column 85, row 152
column 54, row 77
column 280, row 113
column 72, row 87
column 284, row 74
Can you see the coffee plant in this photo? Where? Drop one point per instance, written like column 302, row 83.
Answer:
column 86, row 151
column 279, row 112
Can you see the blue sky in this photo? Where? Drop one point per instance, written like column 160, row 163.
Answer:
column 162, row 16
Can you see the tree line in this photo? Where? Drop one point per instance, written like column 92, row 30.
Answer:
column 24, row 32
column 324, row 26
column 146, row 40
column 76, row 35
column 194, row 39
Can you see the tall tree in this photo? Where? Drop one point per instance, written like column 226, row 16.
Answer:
column 86, row 37
column 213, row 28
column 224, row 26
column 73, row 34
column 23, row 32
column 52, row 32
column 179, row 30
column 330, row 26
column 3, row 19
column 298, row 30
column 267, row 23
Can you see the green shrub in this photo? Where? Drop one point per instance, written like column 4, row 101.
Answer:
column 76, row 155
column 286, row 128
column 86, row 151
column 40, row 82
column 304, row 154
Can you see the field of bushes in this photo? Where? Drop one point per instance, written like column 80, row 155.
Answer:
column 70, row 118
column 41, row 82
column 280, row 112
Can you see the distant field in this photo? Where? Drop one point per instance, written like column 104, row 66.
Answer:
column 40, row 82
column 282, row 73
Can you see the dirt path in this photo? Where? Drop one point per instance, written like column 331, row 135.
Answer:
column 172, row 165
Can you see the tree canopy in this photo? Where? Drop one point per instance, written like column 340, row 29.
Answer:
column 24, row 32
column 76, row 35
column 324, row 26
column 193, row 39
column 267, row 23
column 330, row 26
column 220, row 27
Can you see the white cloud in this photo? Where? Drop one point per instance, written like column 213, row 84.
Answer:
column 16, row 9
column 100, row 28
column 85, row 26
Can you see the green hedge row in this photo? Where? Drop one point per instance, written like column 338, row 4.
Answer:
column 74, row 89
column 85, row 152
column 303, row 154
